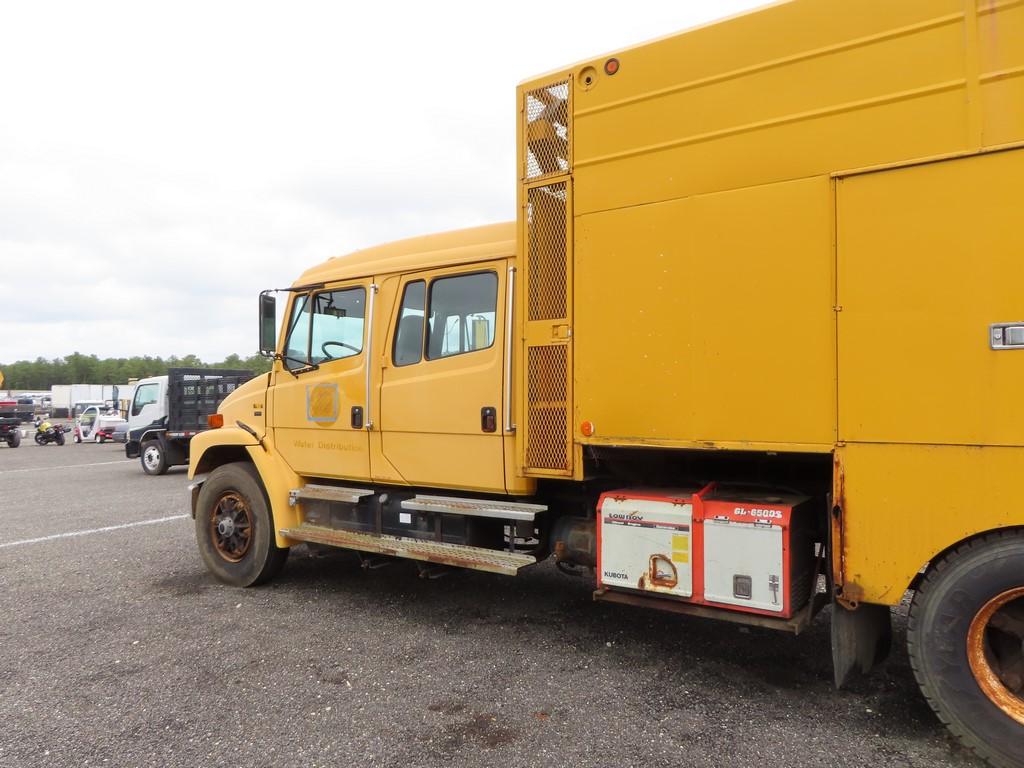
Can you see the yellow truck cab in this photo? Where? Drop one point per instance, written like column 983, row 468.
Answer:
column 750, row 348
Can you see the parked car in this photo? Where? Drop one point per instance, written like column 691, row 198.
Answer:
column 10, row 431
column 25, row 409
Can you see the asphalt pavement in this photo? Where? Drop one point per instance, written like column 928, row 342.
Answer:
column 118, row 649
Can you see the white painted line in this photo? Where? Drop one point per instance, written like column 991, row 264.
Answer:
column 65, row 466
column 90, row 531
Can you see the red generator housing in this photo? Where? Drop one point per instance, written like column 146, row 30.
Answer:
column 726, row 547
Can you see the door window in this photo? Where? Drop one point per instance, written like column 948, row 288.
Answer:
column 408, row 346
column 461, row 314
column 144, row 395
column 329, row 326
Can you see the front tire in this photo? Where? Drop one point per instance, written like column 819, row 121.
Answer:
column 966, row 641
column 40, row 440
column 234, row 528
column 154, row 458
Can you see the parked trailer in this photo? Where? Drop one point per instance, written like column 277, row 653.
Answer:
column 168, row 411
column 758, row 321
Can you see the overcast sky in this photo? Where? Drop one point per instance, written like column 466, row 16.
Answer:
column 161, row 163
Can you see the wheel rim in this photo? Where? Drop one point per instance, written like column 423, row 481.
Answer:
column 152, row 457
column 231, row 527
column 995, row 650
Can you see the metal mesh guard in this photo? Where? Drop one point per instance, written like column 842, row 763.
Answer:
column 547, row 130
column 546, row 224
column 547, row 445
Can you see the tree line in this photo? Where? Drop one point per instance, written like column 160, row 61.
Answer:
column 41, row 374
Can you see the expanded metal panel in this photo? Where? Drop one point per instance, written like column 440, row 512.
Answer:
column 547, row 416
column 546, row 229
column 547, row 138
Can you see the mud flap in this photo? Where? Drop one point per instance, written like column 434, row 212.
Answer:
column 861, row 639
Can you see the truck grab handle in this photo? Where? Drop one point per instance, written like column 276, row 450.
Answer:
column 509, row 426
column 369, row 356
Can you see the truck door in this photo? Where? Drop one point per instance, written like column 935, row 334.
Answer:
column 441, row 405
column 319, row 396
column 149, row 403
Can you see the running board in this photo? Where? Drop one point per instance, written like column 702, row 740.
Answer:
column 327, row 493
column 459, row 555
column 450, row 505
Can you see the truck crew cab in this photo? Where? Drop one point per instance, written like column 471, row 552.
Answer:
column 756, row 328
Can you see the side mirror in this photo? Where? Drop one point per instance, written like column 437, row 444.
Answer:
column 268, row 324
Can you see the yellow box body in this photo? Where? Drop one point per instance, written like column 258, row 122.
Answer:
column 791, row 232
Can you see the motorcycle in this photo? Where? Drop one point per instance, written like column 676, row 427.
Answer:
column 49, row 433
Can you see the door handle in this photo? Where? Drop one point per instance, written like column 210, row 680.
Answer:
column 1006, row 336
column 357, row 417
column 489, row 419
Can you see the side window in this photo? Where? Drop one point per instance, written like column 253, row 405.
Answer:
column 297, row 346
column 144, row 395
column 408, row 346
column 461, row 314
column 337, row 324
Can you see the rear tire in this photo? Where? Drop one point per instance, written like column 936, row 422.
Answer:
column 234, row 527
column 153, row 458
column 966, row 641
column 14, row 439
column 60, row 438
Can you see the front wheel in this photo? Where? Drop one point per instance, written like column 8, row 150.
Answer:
column 154, row 459
column 234, row 528
column 40, row 440
column 966, row 641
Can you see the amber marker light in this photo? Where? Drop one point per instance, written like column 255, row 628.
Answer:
column 611, row 66
column 215, row 420
column 587, row 428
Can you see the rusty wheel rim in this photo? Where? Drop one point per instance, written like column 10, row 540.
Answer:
column 995, row 650
column 231, row 527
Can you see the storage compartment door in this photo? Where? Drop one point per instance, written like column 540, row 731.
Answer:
column 743, row 565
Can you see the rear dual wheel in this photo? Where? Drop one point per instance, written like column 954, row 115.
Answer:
column 234, row 527
column 966, row 643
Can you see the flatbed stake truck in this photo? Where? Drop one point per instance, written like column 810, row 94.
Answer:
column 757, row 327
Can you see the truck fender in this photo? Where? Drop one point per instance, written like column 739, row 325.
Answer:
column 207, row 445
column 215, row 447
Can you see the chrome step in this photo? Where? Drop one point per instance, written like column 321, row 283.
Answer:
column 459, row 555
column 450, row 505
column 314, row 492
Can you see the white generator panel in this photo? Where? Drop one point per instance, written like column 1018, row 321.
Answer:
column 757, row 554
column 743, row 564
column 645, row 541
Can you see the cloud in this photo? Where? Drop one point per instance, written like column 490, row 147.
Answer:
column 159, row 165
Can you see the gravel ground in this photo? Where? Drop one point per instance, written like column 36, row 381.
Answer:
column 118, row 649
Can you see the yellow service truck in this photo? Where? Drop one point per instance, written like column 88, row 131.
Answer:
column 754, row 345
